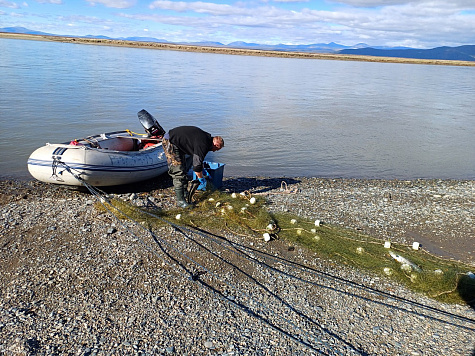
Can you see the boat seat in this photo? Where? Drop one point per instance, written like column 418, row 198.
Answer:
column 118, row 144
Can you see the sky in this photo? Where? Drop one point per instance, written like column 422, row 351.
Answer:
column 411, row 23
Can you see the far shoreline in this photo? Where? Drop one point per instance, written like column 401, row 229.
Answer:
column 231, row 51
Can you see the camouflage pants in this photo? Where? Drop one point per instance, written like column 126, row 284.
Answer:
column 178, row 164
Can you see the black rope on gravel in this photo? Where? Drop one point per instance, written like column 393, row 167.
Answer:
column 371, row 290
column 184, row 231
column 348, row 282
column 102, row 197
column 206, row 234
column 195, row 277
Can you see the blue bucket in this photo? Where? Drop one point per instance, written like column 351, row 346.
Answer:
column 213, row 171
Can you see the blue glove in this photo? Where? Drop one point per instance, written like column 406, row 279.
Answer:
column 203, row 183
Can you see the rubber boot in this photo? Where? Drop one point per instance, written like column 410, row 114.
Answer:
column 194, row 185
column 185, row 191
column 180, row 198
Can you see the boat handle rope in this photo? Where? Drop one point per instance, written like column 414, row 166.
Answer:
column 55, row 166
column 131, row 133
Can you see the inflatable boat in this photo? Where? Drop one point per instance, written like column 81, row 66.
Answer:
column 107, row 159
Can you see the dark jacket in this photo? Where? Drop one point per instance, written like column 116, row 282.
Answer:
column 193, row 141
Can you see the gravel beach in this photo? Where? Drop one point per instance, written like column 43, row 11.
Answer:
column 77, row 281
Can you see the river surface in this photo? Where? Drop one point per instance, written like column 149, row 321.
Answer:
column 280, row 117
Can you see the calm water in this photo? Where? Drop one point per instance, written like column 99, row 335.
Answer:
column 279, row 117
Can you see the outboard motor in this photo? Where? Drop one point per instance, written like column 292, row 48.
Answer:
column 151, row 126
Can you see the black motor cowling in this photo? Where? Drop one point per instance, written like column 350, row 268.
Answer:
column 151, row 126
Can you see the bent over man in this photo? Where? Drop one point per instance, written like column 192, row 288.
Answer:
column 191, row 141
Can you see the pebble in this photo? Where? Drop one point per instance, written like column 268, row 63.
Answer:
column 208, row 344
column 91, row 290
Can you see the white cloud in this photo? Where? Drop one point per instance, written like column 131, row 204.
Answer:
column 373, row 3
column 55, row 2
column 9, row 4
column 419, row 22
column 202, row 8
column 117, row 4
column 440, row 4
column 290, row 1
column 74, row 20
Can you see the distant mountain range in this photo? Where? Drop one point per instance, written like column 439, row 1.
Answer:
column 460, row 53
